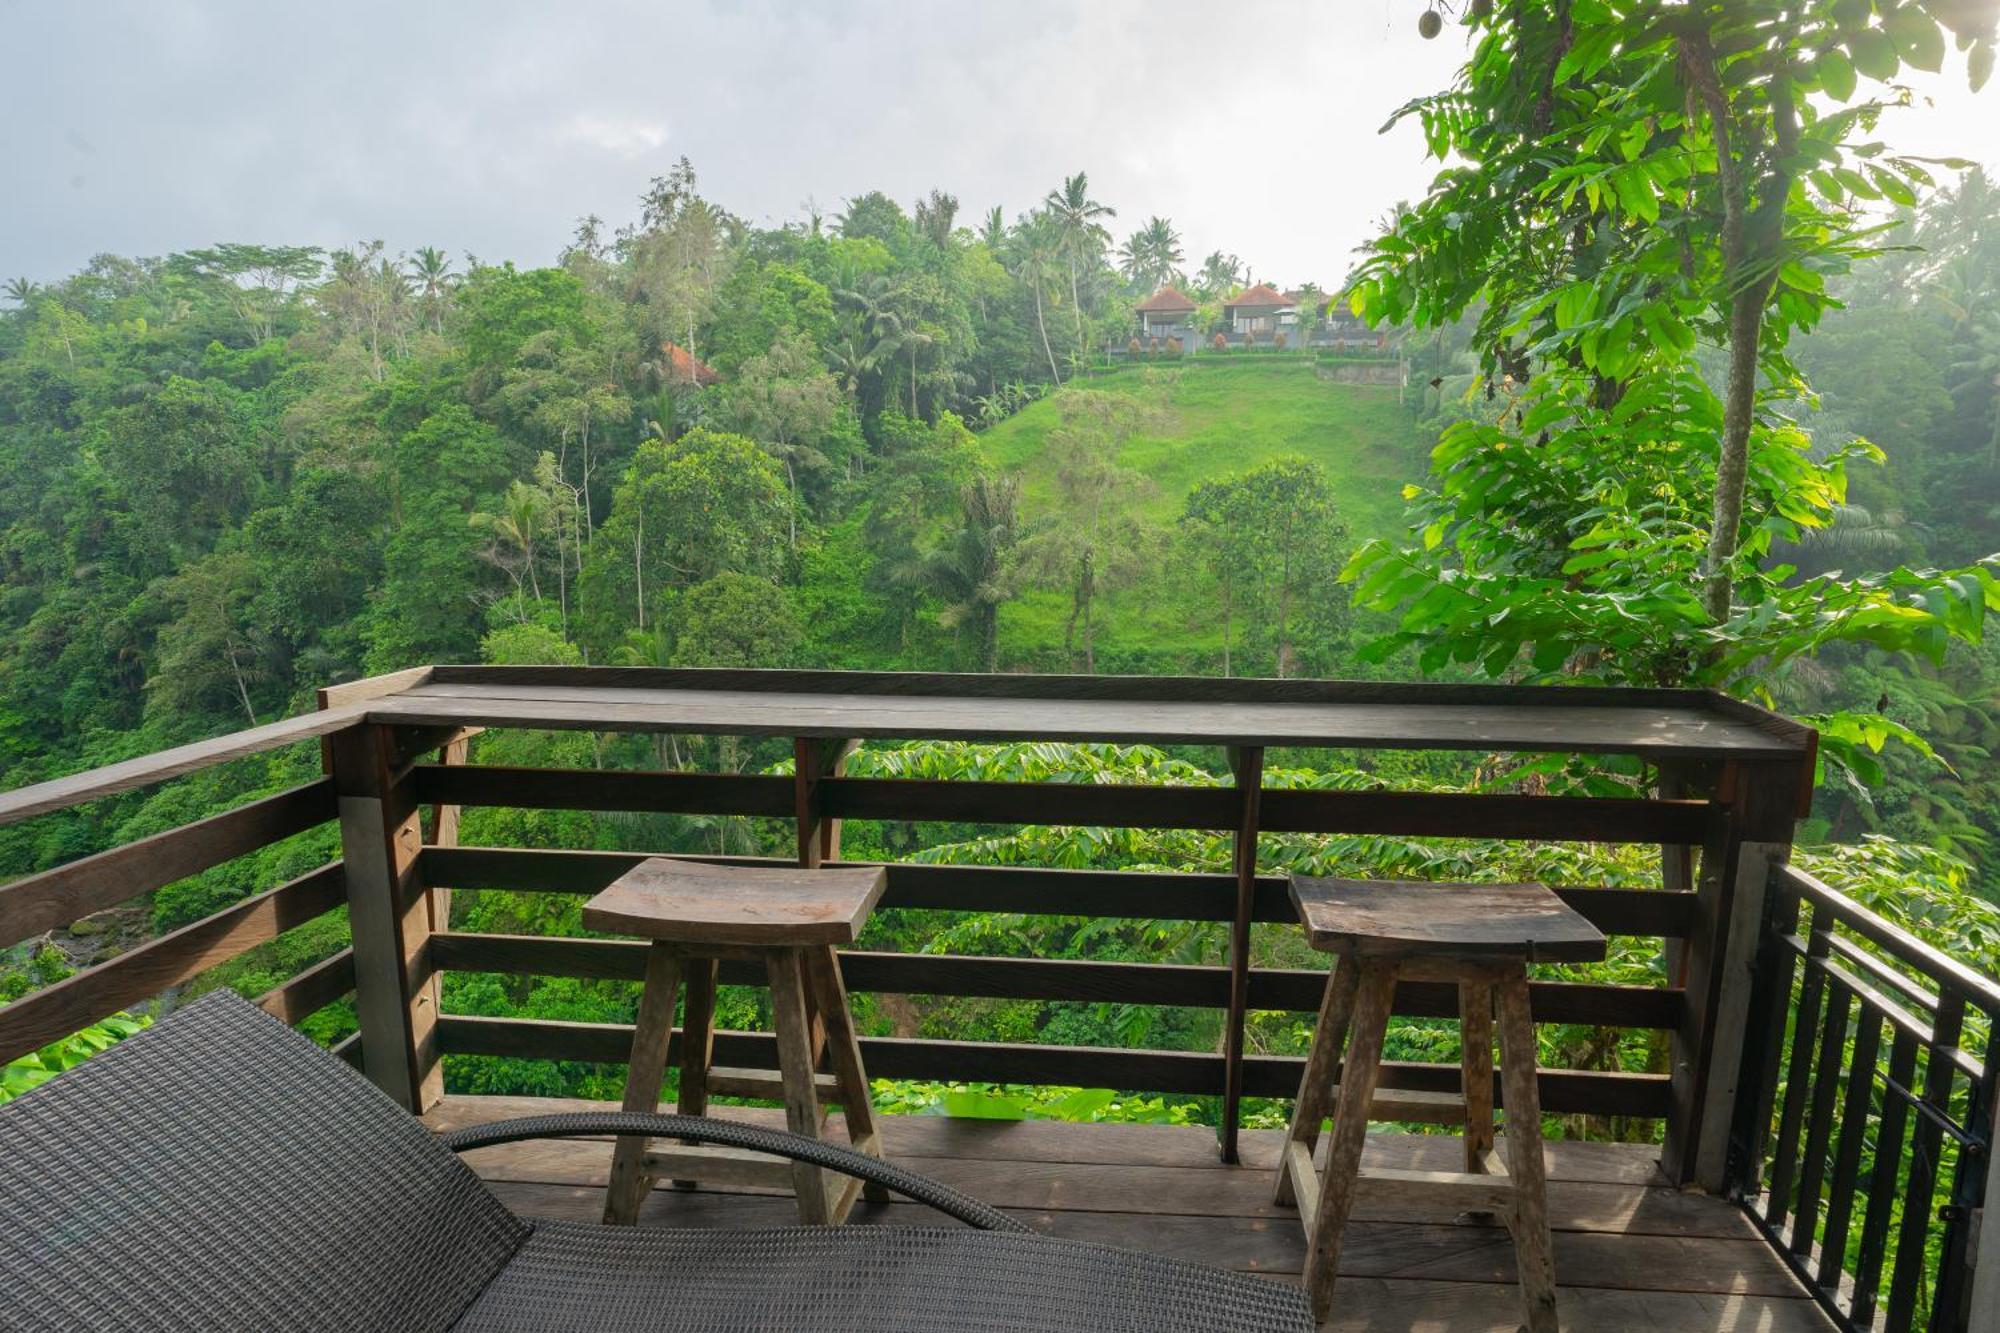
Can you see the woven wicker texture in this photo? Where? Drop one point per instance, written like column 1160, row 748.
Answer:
column 733, row 1134
column 219, row 1172
column 881, row 1279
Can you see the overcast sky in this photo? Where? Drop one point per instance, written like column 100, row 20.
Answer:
column 148, row 127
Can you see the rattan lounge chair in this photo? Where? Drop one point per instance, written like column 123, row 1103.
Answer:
column 220, row 1172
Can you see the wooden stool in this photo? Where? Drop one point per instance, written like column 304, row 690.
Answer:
column 789, row 920
column 1481, row 937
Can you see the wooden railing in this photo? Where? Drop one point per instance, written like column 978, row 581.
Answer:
column 396, row 787
column 1870, row 1168
column 57, row 897
column 405, row 980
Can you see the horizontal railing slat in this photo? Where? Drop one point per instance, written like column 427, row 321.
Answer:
column 312, row 990
column 1133, row 894
column 60, row 793
column 1939, row 967
column 1297, row 991
column 600, row 789
column 1407, row 814
column 1563, row 1091
column 67, row 893
column 35, row 1020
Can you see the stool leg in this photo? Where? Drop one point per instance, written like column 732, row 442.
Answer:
column 1362, row 1066
column 697, row 1042
column 643, row 1076
column 1533, row 1252
column 1316, row 1084
column 1475, row 1063
column 844, row 1052
column 795, row 1066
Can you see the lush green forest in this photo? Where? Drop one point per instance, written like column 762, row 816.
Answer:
column 892, row 438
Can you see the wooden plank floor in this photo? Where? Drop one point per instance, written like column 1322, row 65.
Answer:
column 1630, row 1253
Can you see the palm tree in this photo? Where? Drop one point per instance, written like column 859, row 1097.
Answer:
column 1037, row 242
column 1979, row 369
column 21, row 291
column 430, row 270
column 909, row 338
column 1220, row 272
column 935, row 217
column 993, row 231
column 1083, row 236
column 974, row 570
column 1151, row 257
column 875, row 328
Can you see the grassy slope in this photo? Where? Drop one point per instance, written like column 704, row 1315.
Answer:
column 1221, row 419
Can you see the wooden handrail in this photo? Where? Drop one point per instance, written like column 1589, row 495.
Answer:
column 1980, row 990
column 49, row 1014
column 89, row 884
column 41, row 798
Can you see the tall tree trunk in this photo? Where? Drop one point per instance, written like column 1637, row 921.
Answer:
column 242, row 690
column 792, row 512
column 1088, row 590
column 1042, row 324
column 639, row 569
column 1753, row 228
column 1076, row 306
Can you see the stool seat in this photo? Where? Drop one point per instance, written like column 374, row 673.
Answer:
column 790, row 919
column 1363, row 918
column 1482, row 938
column 691, row 902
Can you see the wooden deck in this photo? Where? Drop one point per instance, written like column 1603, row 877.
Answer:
column 1630, row 1253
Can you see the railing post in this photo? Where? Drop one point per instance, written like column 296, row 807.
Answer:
column 1760, row 806
column 1247, row 763
column 1984, row 1245
column 443, row 831
column 1762, row 1056
column 812, row 760
column 396, row 989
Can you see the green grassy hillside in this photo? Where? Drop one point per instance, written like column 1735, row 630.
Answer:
column 1219, row 418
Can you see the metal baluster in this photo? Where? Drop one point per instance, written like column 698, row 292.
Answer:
column 1882, row 1181
column 1811, row 982
column 1819, row 1128
column 1847, row 1163
column 1920, row 1197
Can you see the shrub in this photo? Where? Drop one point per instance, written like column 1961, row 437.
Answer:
column 1219, row 343
column 1133, row 346
column 1173, row 347
column 1278, row 340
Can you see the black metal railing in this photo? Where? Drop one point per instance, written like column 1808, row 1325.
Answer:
column 1865, row 1140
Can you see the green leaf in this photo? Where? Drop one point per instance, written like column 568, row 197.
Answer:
column 1836, row 74
column 1893, row 187
column 984, row 1106
column 1917, row 36
column 1979, row 65
column 1796, row 275
column 1874, row 53
column 1573, row 304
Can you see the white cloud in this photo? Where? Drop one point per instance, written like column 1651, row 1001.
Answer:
column 145, row 126
column 620, row 136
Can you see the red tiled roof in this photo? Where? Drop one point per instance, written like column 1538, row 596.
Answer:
column 686, row 368
column 1263, row 294
column 1167, row 298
